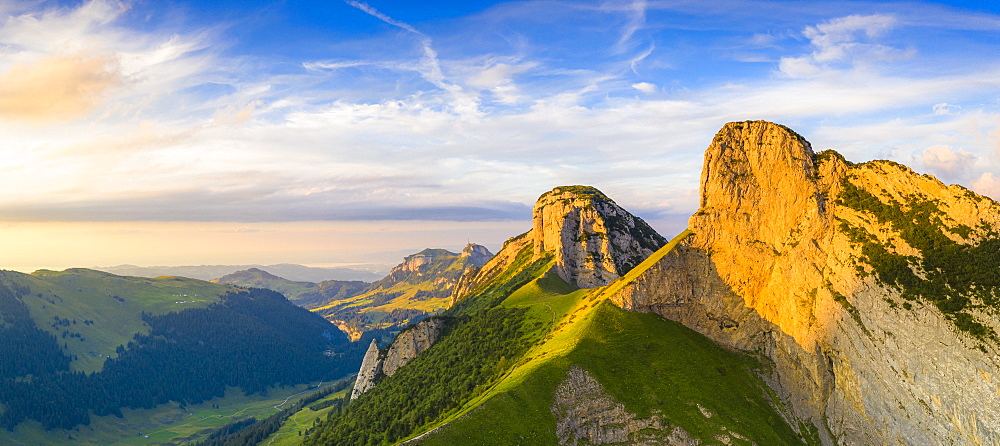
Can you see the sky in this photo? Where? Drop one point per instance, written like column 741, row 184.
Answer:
column 317, row 132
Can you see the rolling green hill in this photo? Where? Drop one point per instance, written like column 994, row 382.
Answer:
column 91, row 313
column 81, row 345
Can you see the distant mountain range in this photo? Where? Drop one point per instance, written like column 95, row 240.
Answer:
column 420, row 286
column 308, row 295
column 293, row 272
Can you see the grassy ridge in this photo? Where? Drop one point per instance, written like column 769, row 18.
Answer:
column 107, row 309
column 648, row 364
column 644, row 361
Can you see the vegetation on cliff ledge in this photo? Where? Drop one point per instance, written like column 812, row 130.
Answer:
column 953, row 276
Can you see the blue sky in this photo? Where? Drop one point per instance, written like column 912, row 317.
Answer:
column 132, row 128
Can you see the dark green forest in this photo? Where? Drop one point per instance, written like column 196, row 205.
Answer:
column 252, row 339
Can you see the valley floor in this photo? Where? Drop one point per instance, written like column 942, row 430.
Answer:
column 168, row 424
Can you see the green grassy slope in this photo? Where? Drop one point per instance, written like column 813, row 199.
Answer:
column 647, row 363
column 100, row 311
column 644, row 361
column 292, row 430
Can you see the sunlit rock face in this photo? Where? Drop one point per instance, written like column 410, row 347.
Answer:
column 371, row 367
column 593, row 239
column 786, row 258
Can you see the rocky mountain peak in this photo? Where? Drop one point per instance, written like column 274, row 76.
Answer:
column 852, row 278
column 764, row 216
column 477, row 254
column 594, row 240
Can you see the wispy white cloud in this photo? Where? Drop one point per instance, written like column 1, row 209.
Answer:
column 839, row 44
column 335, row 64
column 645, row 87
column 635, row 61
column 636, row 11
column 430, row 66
column 945, row 108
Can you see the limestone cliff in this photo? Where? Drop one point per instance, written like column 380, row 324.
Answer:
column 592, row 240
column 872, row 288
column 371, row 367
column 407, row 345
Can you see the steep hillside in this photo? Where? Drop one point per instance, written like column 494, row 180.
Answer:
column 420, row 286
column 82, row 343
column 304, row 294
column 872, row 288
column 523, row 357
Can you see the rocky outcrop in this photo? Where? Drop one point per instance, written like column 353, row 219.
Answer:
column 824, row 267
column 476, row 255
column 407, row 345
column 371, row 368
column 432, row 262
column 593, row 239
column 585, row 413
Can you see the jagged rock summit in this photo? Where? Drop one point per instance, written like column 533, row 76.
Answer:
column 371, row 367
column 593, row 239
column 873, row 289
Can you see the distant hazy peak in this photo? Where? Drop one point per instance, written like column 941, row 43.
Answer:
column 476, row 251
